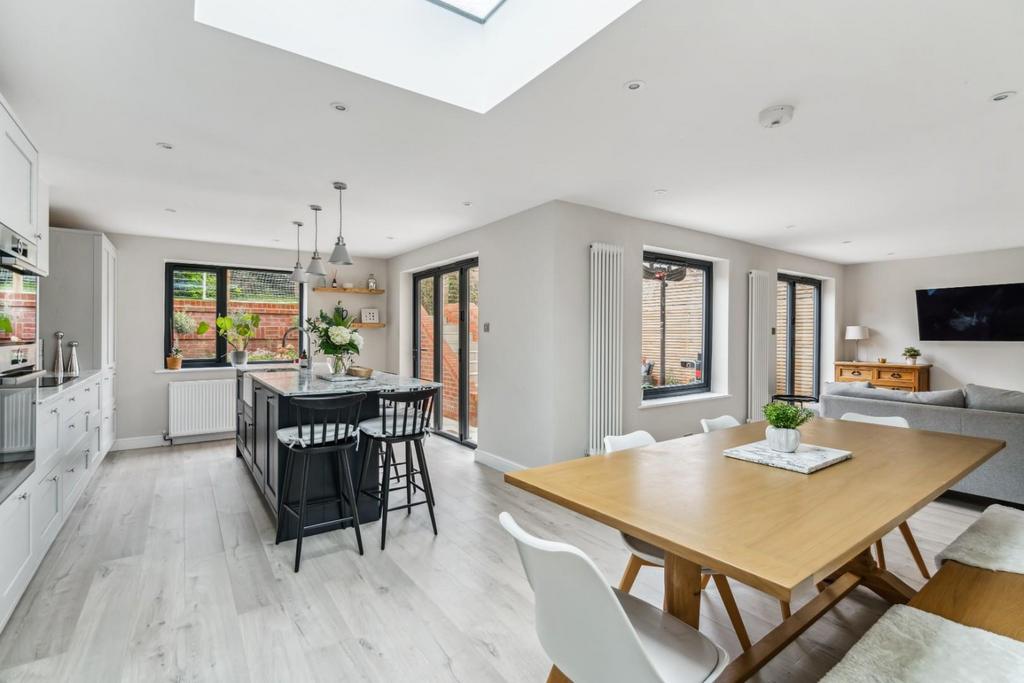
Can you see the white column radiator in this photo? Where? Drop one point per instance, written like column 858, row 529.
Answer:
column 16, row 418
column 760, row 341
column 200, row 407
column 605, row 344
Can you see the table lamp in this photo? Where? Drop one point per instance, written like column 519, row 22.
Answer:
column 855, row 333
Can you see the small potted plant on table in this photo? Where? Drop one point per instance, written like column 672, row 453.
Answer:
column 173, row 361
column 911, row 354
column 784, row 420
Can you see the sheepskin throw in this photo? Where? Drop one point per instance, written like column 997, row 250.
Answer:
column 995, row 541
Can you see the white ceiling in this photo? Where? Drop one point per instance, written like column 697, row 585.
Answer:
column 894, row 145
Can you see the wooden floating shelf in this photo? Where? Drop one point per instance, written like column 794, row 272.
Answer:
column 348, row 290
column 367, row 326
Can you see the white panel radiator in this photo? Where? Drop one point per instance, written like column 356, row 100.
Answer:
column 605, row 344
column 200, row 407
column 16, row 420
column 760, row 342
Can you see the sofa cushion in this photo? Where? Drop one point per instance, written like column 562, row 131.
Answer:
column 837, row 388
column 991, row 398
column 951, row 398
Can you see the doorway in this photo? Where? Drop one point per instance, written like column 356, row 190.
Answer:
column 446, row 340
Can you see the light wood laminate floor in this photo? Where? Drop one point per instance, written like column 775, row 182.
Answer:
column 167, row 571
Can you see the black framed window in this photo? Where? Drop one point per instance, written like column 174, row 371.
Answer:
column 797, row 335
column 197, row 293
column 676, row 325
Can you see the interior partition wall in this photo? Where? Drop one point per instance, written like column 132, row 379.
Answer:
column 446, row 344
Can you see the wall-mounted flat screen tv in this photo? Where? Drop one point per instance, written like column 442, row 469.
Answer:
column 982, row 313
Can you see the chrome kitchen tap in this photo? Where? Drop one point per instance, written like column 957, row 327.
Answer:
column 309, row 344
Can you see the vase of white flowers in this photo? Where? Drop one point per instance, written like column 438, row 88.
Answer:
column 336, row 339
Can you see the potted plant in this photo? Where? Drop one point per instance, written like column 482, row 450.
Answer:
column 237, row 328
column 784, row 420
column 336, row 339
column 911, row 354
column 174, row 360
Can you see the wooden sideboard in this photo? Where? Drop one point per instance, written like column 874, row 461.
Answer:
column 900, row 376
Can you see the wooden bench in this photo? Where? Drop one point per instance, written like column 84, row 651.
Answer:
column 975, row 597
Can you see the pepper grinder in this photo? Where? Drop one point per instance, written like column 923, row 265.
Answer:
column 72, row 369
column 58, row 360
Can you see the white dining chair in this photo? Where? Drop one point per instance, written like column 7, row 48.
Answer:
column 643, row 554
column 908, row 535
column 715, row 423
column 594, row 633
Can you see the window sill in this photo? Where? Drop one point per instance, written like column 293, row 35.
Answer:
column 165, row 371
column 684, row 398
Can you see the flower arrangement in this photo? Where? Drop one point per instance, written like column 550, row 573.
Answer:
column 336, row 338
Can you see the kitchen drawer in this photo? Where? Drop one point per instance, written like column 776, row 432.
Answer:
column 107, row 391
column 16, row 545
column 90, row 396
column 76, row 469
column 49, row 429
column 47, row 509
column 75, row 427
column 853, row 374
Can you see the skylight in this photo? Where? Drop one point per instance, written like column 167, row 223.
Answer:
column 477, row 10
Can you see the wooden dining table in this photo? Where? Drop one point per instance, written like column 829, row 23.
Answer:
column 769, row 528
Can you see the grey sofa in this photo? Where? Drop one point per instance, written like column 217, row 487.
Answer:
column 1001, row 478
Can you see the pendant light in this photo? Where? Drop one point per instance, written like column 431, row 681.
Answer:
column 298, row 275
column 340, row 254
column 316, row 264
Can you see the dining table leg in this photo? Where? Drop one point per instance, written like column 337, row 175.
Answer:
column 682, row 589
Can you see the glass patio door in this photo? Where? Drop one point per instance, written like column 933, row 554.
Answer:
column 445, row 345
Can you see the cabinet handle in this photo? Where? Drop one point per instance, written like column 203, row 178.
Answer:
column 88, row 388
column 73, row 399
column 895, row 375
column 71, row 426
column 39, row 236
column 855, row 373
column 23, row 496
column 71, row 471
column 53, row 411
column 55, row 477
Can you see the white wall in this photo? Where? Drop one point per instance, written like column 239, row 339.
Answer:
column 881, row 296
column 534, row 290
column 142, row 390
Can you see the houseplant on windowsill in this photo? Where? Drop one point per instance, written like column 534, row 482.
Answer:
column 238, row 329
column 784, row 420
column 336, row 339
column 911, row 354
column 173, row 361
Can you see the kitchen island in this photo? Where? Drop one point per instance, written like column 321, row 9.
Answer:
column 264, row 406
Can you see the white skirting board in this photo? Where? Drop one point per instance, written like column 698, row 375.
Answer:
column 496, row 462
column 132, row 443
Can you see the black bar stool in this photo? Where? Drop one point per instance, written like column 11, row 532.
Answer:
column 404, row 418
column 325, row 427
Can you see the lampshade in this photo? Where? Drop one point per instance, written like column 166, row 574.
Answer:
column 340, row 254
column 298, row 275
column 857, row 332
column 316, row 264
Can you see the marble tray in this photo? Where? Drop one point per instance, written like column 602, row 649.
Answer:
column 807, row 458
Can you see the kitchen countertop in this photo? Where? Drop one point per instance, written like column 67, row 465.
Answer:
column 302, row 384
column 46, row 393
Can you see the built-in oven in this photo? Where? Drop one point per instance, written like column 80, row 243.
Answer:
column 20, row 366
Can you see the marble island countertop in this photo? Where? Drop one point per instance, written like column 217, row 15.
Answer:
column 298, row 383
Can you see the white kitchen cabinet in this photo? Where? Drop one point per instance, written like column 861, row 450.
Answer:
column 49, row 429
column 76, row 474
column 43, row 229
column 16, row 565
column 80, row 297
column 47, row 511
column 19, row 178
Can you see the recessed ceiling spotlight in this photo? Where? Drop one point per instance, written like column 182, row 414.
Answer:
column 339, row 106
column 390, row 237
column 776, row 116
column 633, row 85
column 171, row 210
column 1005, row 95
column 165, row 145
column 891, row 253
column 790, row 227
column 847, row 241
column 467, row 203
column 661, row 192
